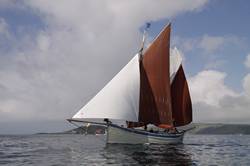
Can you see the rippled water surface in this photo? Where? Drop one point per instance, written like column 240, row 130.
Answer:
column 91, row 150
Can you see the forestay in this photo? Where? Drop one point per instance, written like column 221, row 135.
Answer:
column 119, row 99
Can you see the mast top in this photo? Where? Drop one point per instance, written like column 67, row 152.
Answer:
column 144, row 38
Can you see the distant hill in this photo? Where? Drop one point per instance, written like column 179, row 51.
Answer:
column 92, row 129
column 202, row 128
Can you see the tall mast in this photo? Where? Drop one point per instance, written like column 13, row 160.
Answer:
column 155, row 95
column 144, row 39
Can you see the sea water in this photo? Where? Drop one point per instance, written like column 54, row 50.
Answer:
column 91, row 150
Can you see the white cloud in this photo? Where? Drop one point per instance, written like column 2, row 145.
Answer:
column 208, row 43
column 247, row 62
column 208, row 87
column 186, row 44
column 215, row 64
column 7, row 3
column 246, row 85
column 51, row 74
column 4, row 32
column 211, row 43
column 213, row 101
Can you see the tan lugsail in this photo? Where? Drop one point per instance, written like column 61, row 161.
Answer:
column 175, row 62
column 155, row 98
column 181, row 101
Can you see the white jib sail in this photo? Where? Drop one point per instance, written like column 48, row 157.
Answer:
column 119, row 99
column 175, row 62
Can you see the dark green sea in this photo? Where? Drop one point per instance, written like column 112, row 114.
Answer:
column 60, row 150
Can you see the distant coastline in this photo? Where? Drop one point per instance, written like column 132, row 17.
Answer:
column 200, row 128
column 217, row 129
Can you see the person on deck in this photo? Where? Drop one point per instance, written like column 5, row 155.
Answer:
column 145, row 127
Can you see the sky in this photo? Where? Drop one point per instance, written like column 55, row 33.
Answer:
column 56, row 55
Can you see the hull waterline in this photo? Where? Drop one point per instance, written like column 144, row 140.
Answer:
column 121, row 135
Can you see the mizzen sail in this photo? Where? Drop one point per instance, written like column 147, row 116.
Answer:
column 181, row 101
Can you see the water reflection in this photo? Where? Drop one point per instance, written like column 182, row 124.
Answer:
column 92, row 150
column 147, row 154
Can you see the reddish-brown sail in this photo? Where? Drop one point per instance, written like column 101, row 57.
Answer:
column 181, row 101
column 155, row 98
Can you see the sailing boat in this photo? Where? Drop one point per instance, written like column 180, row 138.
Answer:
column 144, row 92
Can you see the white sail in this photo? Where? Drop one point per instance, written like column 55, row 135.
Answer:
column 119, row 99
column 175, row 62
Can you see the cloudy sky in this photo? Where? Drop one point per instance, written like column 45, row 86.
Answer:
column 56, row 55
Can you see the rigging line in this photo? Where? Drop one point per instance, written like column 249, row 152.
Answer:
column 189, row 129
column 84, row 121
column 78, row 126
